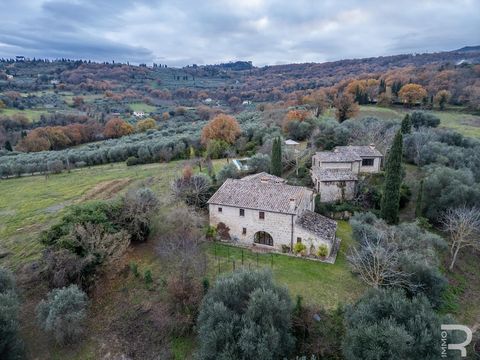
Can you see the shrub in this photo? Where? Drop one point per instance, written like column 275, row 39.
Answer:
column 7, row 281
column 61, row 267
column 299, row 248
column 63, row 313
column 405, row 194
column 253, row 316
column 194, row 190
column 210, row 232
column 318, row 332
column 134, row 268
column 132, row 161
column 185, row 294
column 137, row 210
column 223, row 231
column 322, row 251
column 147, row 276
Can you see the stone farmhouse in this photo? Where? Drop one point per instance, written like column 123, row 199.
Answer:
column 264, row 212
column 335, row 173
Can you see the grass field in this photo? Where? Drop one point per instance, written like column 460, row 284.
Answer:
column 452, row 118
column 32, row 115
column 29, row 204
column 142, row 107
column 319, row 283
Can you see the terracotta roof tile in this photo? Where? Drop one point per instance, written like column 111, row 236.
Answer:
column 318, row 224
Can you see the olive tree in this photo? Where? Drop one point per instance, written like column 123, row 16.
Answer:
column 63, row 313
column 245, row 316
column 381, row 326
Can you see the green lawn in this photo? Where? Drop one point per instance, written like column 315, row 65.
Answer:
column 142, row 107
column 32, row 115
column 29, row 204
column 320, row 283
column 452, row 118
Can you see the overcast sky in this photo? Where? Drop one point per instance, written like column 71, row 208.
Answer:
column 181, row 32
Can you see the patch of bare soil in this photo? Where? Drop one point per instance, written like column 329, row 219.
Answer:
column 105, row 190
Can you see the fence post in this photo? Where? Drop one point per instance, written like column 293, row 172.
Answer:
column 242, row 257
column 233, row 263
column 271, row 260
column 257, row 260
column 219, row 266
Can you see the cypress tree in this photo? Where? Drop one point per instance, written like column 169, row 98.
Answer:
column 276, row 165
column 382, row 87
column 419, row 204
column 8, row 146
column 393, row 180
column 406, row 125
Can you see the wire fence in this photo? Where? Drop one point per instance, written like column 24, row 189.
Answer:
column 228, row 259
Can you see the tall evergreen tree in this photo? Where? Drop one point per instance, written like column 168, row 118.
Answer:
column 276, row 165
column 393, row 180
column 406, row 125
column 8, row 146
column 419, row 204
column 382, row 87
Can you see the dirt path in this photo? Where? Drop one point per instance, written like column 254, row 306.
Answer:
column 105, row 190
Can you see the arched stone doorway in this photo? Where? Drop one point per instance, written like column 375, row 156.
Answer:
column 264, row 238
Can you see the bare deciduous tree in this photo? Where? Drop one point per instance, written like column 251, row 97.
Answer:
column 138, row 209
column 95, row 240
column 194, row 190
column 377, row 262
column 180, row 239
column 463, row 225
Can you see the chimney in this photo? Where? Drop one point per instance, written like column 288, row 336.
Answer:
column 372, row 146
column 264, row 179
column 292, row 204
column 335, row 150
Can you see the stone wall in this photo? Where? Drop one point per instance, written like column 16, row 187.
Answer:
column 372, row 169
column 331, row 191
column 278, row 225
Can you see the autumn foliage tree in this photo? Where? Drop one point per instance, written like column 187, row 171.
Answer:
column 442, row 98
column 221, row 127
column 346, row 107
column 317, row 101
column 57, row 137
column 146, row 124
column 116, row 128
column 412, row 94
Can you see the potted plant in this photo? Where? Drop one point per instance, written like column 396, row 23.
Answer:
column 322, row 251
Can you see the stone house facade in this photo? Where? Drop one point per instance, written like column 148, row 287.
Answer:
column 261, row 210
column 335, row 173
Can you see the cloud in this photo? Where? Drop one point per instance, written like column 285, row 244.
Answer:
column 180, row 32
